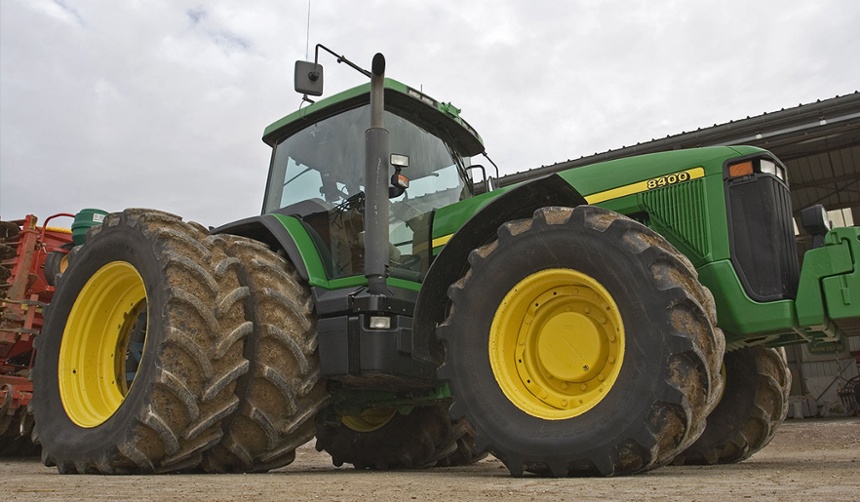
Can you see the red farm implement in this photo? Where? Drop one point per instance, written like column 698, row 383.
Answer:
column 30, row 258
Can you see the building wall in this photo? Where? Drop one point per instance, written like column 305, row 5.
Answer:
column 820, row 376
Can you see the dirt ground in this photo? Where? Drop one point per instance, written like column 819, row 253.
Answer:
column 814, row 460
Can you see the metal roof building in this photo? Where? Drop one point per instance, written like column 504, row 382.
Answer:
column 819, row 143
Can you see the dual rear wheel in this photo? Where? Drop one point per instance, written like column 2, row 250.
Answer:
column 157, row 351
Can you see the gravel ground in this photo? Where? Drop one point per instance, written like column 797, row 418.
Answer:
column 809, row 460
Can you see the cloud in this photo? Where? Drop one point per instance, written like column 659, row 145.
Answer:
column 162, row 104
column 59, row 10
column 196, row 14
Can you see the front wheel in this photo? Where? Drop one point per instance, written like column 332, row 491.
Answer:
column 579, row 343
column 383, row 438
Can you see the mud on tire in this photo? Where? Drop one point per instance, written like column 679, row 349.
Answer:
column 281, row 393
column 514, row 332
column 145, row 284
column 753, row 405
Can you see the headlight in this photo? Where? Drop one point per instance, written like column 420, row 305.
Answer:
column 768, row 167
column 763, row 166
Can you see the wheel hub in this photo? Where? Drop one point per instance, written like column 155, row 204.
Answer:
column 570, row 347
column 556, row 344
column 369, row 420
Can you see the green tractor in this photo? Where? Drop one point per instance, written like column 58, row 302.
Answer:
column 408, row 315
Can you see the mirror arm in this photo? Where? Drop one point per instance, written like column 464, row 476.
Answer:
column 340, row 59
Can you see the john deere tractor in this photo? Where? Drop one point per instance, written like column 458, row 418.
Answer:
column 409, row 315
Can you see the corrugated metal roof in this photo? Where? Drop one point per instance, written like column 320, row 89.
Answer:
column 819, row 143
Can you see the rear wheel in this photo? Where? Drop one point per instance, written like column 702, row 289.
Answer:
column 135, row 369
column 282, row 393
column 382, row 438
column 753, row 405
column 581, row 342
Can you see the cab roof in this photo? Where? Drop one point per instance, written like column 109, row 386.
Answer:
column 438, row 117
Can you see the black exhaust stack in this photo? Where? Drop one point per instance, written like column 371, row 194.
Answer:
column 376, row 185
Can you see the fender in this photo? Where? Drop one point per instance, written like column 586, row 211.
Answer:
column 451, row 263
column 279, row 232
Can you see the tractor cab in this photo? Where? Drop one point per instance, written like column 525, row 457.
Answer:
column 317, row 174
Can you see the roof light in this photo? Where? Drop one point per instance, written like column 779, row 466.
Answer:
column 423, row 97
column 399, row 160
column 400, row 181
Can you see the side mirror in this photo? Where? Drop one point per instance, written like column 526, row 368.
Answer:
column 309, row 78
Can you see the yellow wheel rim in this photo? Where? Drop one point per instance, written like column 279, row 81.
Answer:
column 556, row 344
column 93, row 354
column 369, row 420
column 64, row 263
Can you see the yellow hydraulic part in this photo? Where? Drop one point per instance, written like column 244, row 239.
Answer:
column 60, row 230
column 369, row 420
column 557, row 344
column 92, row 359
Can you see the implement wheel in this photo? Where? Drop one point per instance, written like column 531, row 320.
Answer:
column 135, row 366
column 15, row 429
column 752, row 407
column 382, row 438
column 56, row 263
column 580, row 343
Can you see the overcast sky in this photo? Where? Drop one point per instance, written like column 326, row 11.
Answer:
column 115, row 104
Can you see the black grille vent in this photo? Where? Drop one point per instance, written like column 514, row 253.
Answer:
column 762, row 237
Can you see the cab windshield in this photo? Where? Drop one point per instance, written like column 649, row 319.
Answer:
column 317, row 174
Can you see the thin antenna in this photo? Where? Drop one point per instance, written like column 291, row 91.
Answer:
column 308, row 39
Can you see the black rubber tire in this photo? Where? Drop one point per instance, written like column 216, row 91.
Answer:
column 5, row 274
column 461, row 446
column 753, row 405
column 282, row 393
column 8, row 230
column 668, row 379
column 15, row 435
column 7, row 252
column 192, row 358
column 54, row 265
column 426, row 437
